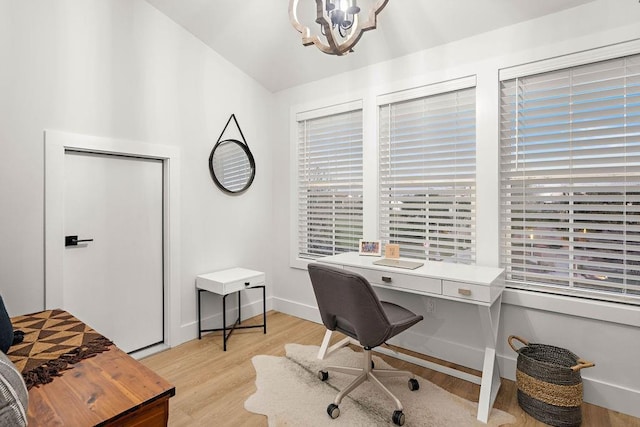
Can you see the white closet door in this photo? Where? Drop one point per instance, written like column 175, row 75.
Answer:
column 114, row 283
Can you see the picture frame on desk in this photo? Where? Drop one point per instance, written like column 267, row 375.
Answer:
column 392, row 251
column 370, row 247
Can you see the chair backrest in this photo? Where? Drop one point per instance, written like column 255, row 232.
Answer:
column 348, row 304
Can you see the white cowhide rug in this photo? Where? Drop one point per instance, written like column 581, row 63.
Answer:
column 289, row 393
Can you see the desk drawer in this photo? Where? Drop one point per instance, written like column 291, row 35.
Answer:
column 399, row 280
column 466, row 291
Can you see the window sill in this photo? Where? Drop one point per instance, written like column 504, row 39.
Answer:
column 592, row 309
column 300, row 263
column 623, row 314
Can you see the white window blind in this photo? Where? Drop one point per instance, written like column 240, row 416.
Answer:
column 570, row 180
column 329, row 184
column 427, row 175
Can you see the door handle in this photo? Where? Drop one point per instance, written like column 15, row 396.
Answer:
column 73, row 240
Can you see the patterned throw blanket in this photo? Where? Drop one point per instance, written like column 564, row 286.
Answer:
column 53, row 340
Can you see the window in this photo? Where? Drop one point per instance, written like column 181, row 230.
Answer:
column 329, row 183
column 427, row 174
column 570, row 180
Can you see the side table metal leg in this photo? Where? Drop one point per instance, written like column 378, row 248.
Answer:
column 264, row 309
column 239, row 305
column 199, row 316
column 224, row 323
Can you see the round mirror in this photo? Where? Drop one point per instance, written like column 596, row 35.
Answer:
column 232, row 166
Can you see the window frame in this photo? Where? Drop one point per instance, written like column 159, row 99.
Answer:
column 532, row 292
column 416, row 94
column 302, row 113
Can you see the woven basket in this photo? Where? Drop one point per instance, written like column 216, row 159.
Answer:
column 549, row 383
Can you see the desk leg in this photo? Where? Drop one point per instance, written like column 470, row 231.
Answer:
column 490, row 384
column 325, row 344
column 239, row 305
column 199, row 316
column 325, row 350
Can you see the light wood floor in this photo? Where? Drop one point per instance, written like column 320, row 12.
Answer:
column 212, row 385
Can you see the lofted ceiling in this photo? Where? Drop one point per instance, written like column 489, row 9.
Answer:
column 257, row 37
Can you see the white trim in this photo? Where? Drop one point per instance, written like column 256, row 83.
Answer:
column 329, row 110
column 297, row 309
column 427, row 90
column 370, row 175
column 297, row 262
column 571, row 60
column 611, row 396
column 590, row 309
column 294, row 261
column 55, row 145
column 149, row 351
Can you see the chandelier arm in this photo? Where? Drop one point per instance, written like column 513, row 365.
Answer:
column 322, row 18
column 307, row 38
column 369, row 24
column 293, row 18
column 332, row 47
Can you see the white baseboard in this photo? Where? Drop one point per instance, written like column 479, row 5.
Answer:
column 611, row 396
column 141, row 354
column 596, row 392
column 303, row 311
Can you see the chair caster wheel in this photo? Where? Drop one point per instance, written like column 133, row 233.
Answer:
column 398, row 418
column 334, row 411
column 323, row 375
column 414, row 384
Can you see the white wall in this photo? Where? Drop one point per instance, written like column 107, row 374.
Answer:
column 604, row 333
column 121, row 69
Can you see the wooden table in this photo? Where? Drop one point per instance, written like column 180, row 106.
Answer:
column 109, row 389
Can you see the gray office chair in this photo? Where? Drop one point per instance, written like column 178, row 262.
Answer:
column 348, row 304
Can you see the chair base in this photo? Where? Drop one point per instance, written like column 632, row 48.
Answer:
column 369, row 373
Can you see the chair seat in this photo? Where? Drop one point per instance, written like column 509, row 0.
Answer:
column 399, row 317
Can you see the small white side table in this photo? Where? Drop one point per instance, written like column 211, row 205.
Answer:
column 226, row 282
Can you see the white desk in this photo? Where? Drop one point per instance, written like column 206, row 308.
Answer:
column 479, row 287
column 226, row 282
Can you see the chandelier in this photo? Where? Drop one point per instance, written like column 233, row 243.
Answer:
column 341, row 22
